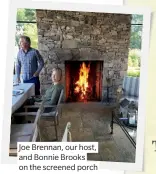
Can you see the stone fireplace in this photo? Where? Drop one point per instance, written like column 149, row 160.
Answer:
column 99, row 40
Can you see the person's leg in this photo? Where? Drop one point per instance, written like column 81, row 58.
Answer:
column 37, row 87
column 36, row 82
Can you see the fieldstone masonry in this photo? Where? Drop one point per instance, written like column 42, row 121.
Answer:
column 64, row 35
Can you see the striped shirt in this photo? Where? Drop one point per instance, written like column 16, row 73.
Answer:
column 28, row 63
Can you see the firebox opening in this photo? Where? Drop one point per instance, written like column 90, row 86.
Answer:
column 83, row 81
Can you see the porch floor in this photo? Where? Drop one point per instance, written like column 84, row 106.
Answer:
column 91, row 123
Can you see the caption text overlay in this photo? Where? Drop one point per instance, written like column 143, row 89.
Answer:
column 56, row 156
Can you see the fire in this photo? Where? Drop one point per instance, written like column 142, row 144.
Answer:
column 82, row 83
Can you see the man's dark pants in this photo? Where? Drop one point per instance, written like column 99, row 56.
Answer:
column 36, row 81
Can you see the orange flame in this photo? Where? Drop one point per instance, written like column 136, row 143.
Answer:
column 82, row 83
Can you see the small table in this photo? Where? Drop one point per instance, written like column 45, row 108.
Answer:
column 18, row 101
column 118, row 120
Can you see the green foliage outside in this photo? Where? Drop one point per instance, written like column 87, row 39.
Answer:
column 134, row 58
column 31, row 31
column 136, row 32
column 134, row 62
column 26, row 15
column 133, row 72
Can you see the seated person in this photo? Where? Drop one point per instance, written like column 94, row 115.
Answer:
column 52, row 94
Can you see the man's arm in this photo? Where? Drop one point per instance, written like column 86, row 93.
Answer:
column 18, row 67
column 40, row 61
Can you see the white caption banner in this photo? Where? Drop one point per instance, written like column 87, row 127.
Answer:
column 56, row 157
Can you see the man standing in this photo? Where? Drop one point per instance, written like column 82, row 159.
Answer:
column 30, row 63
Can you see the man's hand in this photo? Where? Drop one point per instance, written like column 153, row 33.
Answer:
column 35, row 74
column 18, row 80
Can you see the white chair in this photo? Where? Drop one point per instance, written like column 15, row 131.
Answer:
column 67, row 134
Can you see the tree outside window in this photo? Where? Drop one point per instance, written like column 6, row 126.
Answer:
column 134, row 58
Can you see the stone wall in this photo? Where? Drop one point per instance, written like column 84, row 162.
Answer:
column 64, row 35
